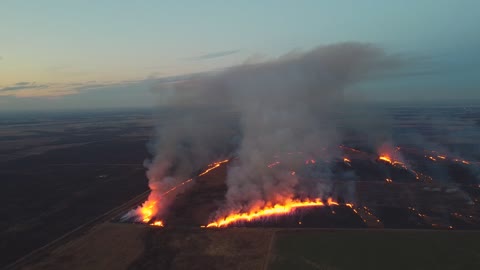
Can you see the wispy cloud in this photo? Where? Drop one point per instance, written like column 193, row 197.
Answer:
column 23, row 83
column 23, row 86
column 33, row 89
column 214, row 55
column 48, row 90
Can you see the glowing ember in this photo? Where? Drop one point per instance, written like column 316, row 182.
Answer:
column 213, row 166
column 385, row 158
column 273, row 164
column 389, row 160
column 157, row 223
column 268, row 211
column 292, row 173
column 388, row 180
column 177, row 186
column 349, row 149
column 310, row 161
column 461, row 161
column 331, row 202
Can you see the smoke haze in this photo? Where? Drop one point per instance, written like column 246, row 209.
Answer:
column 286, row 104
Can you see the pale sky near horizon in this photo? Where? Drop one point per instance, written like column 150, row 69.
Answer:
column 106, row 54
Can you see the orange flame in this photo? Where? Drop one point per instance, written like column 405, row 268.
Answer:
column 150, row 207
column 147, row 210
column 388, row 159
column 268, row 211
column 461, row 161
column 157, row 223
column 213, row 166
column 385, row 158
column 331, row 202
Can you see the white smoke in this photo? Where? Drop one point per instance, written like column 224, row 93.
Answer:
column 290, row 103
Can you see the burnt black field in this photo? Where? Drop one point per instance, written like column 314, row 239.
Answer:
column 60, row 170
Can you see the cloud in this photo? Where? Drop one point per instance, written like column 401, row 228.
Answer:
column 22, row 86
column 33, row 89
column 26, row 89
column 23, row 83
column 214, row 55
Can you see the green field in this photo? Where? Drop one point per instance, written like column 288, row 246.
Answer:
column 375, row 250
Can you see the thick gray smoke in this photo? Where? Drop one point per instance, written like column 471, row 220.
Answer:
column 288, row 104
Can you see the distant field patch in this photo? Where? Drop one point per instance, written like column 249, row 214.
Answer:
column 339, row 249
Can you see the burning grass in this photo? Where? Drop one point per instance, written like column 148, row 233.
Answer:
column 269, row 211
column 148, row 212
column 388, row 165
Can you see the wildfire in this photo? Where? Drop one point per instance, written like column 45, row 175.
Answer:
column 157, row 223
column 436, row 156
column 149, row 208
column 385, row 158
column 391, row 161
column 331, row 202
column 213, row 166
column 310, row 161
column 349, row 148
column 273, row 164
column 268, row 211
column 462, row 161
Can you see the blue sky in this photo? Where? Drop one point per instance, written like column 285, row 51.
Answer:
column 107, row 54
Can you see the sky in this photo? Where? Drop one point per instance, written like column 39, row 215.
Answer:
column 108, row 54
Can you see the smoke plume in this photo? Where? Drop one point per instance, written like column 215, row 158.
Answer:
column 261, row 110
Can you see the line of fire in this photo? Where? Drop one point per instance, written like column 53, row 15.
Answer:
column 393, row 188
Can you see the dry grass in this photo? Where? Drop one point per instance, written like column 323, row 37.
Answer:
column 107, row 246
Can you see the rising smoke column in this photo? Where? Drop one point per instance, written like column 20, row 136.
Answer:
column 289, row 103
